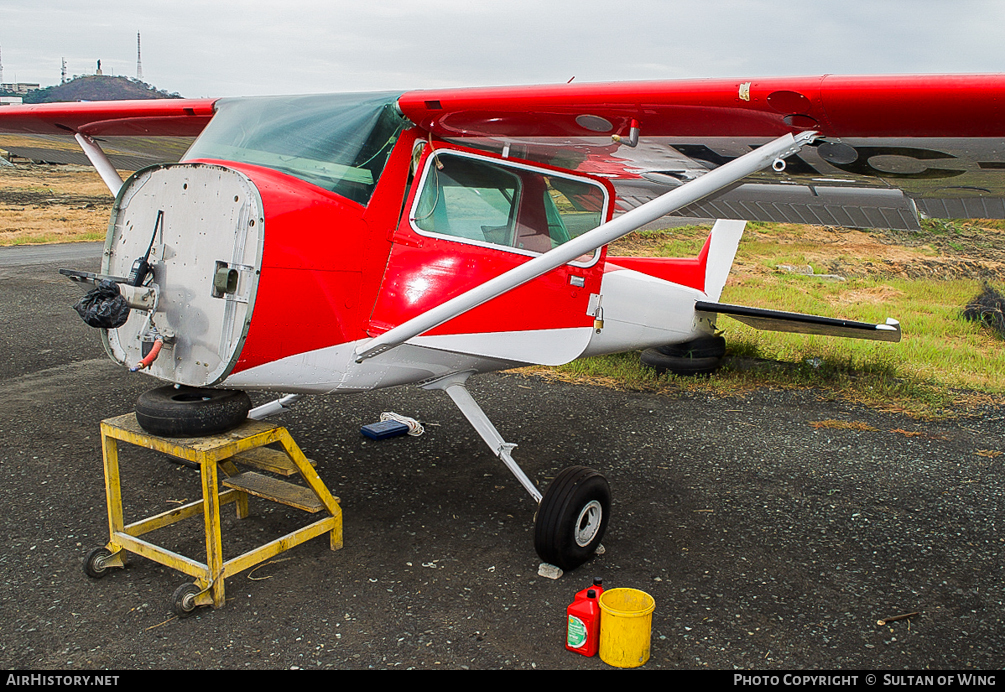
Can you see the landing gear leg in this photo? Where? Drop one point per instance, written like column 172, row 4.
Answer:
column 574, row 511
column 454, row 387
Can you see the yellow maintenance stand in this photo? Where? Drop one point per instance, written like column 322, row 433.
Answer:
column 245, row 445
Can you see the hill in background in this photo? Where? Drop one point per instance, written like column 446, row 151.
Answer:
column 125, row 153
column 98, row 88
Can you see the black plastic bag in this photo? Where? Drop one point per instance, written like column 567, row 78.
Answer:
column 988, row 309
column 103, row 306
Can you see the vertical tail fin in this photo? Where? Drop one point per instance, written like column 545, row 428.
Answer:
column 725, row 238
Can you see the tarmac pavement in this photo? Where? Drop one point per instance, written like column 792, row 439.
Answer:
column 767, row 543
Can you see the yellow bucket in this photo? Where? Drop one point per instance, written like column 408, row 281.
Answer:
column 626, row 623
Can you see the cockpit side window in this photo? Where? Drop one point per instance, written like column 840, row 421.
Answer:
column 469, row 199
column 527, row 210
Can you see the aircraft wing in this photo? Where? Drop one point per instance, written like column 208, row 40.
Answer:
column 153, row 117
column 894, row 148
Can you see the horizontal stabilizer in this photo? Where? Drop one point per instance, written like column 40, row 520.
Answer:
column 778, row 321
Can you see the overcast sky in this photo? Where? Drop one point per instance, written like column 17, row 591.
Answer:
column 206, row 48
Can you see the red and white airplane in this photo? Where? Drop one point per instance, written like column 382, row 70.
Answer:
column 339, row 243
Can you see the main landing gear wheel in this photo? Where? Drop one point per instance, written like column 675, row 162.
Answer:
column 94, row 562
column 184, row 599
column 191, row 411
column 572, row 517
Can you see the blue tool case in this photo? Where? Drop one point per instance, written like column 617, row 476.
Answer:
column 384, row 429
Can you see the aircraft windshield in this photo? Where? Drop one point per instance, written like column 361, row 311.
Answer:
column 339, row 142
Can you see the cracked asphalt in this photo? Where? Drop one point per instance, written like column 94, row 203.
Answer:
column 773, row 530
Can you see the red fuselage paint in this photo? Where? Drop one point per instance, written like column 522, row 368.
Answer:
column 334, row 271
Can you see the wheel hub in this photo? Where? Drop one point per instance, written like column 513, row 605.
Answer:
column 588, row 523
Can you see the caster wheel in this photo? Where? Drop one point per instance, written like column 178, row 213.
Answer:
column 184, row 599
column 572, row 517
column 94, row 563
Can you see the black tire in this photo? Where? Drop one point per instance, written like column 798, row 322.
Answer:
column 679, row 365
column 191, row 411
column 572, row 517
column 183, row 600
column 94, row 562
column 705, row 347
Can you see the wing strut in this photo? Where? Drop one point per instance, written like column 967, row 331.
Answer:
column 97, row 157
column 771, row 154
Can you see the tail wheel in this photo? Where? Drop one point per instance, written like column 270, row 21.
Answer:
column 698, row 357
column 191, row 411
column 572, row 517
column 705, row 347
column 679, row 365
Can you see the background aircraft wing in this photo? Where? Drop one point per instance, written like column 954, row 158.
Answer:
column 895, row 148
column 154, row 117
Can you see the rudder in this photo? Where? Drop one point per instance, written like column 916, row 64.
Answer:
column 725, row 238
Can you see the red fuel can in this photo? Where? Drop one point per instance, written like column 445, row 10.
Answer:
column 598, row 586
column 583, row 628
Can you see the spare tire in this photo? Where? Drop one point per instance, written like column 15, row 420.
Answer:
column 191, row 411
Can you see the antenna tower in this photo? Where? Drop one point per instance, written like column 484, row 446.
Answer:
column 62, row 73
column 1, row 67
column 139, row 63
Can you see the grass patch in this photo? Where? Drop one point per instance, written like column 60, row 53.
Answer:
column 48, row 238
column 939, row 346
column 880, row 385
column 682, row 241
column 944, row 365
column 52, row 204
column 842, row 425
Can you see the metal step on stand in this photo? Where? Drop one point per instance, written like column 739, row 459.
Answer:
column 246, row 445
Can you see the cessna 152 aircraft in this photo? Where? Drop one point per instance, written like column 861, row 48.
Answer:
column 339, row 243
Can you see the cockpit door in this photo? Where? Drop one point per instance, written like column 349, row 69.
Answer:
column 471, row 217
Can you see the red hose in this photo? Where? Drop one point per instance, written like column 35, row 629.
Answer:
column 151, row 357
